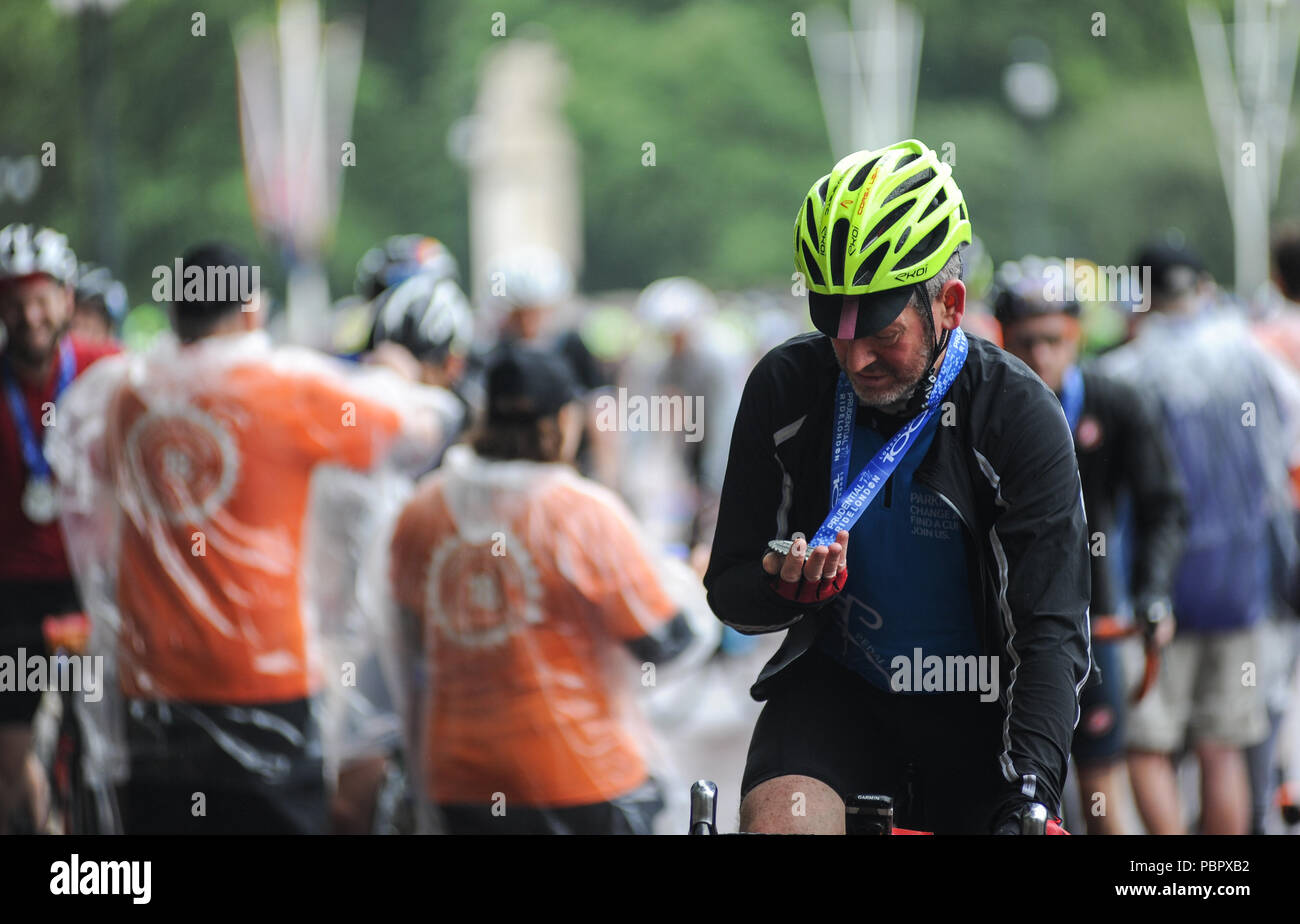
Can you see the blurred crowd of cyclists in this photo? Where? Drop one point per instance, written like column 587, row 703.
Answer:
column 418, row 586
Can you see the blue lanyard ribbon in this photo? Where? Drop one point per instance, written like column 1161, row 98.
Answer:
column 1072, row 396
column 31, row 447
column 847, row 507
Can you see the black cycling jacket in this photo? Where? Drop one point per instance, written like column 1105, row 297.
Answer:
column 1122, row 448
column 1003, row 459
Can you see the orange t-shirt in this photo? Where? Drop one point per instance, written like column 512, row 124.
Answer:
column 214, row 490
column 525, row 594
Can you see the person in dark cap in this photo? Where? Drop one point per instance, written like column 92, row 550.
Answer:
column 520, row 584
column 1178, row 275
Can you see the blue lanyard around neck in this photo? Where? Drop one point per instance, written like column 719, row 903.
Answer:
column 33, row 458
column 1072, row 396
column 847, row 508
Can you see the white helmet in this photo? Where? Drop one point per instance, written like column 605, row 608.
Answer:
column 531, row 276
column 428, row 314
column 24, row 251
column 671, row 304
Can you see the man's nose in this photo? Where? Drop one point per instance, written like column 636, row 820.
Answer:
column 1040, row 355
column 859, row 354
column 33, row 312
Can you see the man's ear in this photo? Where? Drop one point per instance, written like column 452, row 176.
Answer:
column 952, row 304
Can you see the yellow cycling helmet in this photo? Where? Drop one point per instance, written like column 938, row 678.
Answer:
column 877, row 224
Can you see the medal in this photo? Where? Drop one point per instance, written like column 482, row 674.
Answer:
column 40, row 503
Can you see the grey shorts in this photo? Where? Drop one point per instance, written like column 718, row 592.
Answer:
column 1207, row 692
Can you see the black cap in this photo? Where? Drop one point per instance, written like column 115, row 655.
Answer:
column 1165, row 260
column 866, row 314
column 525, row 383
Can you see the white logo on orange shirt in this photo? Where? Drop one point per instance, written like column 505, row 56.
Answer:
column 478, row 600
column 183, row 463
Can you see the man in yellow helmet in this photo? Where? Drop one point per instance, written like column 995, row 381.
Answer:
column 937, row 657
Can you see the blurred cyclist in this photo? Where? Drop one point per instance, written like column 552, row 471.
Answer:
column 526, row 587
column 685, row 357
column 209, row 446
column 428, row 317
column 423, row 328
column 1122, row 450
column 528, row 286
column 101, row 305
column 399, row 258
column 1221, row 402
column 39, row 359
column 952, row 468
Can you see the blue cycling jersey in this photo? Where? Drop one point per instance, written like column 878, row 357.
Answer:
column 907, row 587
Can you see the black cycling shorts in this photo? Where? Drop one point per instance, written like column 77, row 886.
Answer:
column 935, row 754
column 631, row 813
column 259, row 768
column 1099, row 738
column 23, row 608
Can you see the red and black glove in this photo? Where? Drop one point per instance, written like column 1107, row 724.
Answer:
column 806, row 591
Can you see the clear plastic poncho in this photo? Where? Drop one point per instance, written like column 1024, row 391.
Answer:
column 217, row 500
column 527, row 610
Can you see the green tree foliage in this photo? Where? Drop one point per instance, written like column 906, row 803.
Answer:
column 721, row 87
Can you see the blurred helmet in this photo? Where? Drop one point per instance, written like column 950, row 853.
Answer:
column 877, row 224
column 531, row 276
column 96, row 283
column 398, row 259
column 25, row 251
column 1032, row 287
column 429, row 315
column 671, row 304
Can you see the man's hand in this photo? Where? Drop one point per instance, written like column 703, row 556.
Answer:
column 1157, row 621
column 810, row 577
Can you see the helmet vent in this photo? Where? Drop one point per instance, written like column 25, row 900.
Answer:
column 902, row 239
column 883, row 226
column 927, row 245
column 822, row 189
column 861, row 176
column 868, row 269
column 911, row 183
column 810, row 221
column 906, row 159
column 839, row 242
column 810, row 263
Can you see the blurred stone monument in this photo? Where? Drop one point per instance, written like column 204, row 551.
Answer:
column 522, row 159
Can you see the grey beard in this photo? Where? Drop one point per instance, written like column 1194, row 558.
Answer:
column 896, row 402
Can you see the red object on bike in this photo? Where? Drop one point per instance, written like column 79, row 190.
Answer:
column 1110, row 629
column 804, row 591
column 66, row 631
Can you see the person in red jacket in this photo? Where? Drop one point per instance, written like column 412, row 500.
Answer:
column 38, row 360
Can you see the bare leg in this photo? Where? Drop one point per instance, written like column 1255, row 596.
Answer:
column 1225, row 790
column 1155, row 789
column 1105, row 779
column 792, row 805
